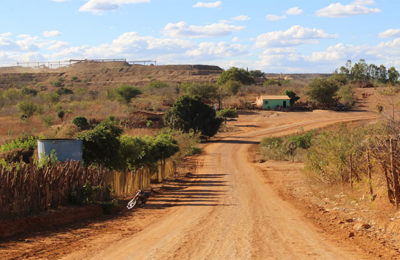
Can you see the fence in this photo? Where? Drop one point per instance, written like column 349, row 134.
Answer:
column 27, row 189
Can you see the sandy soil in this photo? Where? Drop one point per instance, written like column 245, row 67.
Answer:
column 227, row 209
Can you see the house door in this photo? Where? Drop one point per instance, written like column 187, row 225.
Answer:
column 284, row 104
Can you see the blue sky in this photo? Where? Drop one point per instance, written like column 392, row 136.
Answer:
column 274, row 36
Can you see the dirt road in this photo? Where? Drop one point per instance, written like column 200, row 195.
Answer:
column 225, row 210
column 228, row 211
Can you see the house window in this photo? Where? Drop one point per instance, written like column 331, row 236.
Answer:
column 265, row 102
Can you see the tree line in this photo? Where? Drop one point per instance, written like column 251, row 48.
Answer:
column 362, row 71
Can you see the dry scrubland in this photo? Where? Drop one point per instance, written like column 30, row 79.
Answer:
column 334, row 159
column 92, row 85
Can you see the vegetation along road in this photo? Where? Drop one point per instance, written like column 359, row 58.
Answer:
column 226, row 210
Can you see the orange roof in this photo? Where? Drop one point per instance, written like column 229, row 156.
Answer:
column 274, row 97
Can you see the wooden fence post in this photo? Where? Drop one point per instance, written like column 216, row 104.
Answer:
column 394, row 174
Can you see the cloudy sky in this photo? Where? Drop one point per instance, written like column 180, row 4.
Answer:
column 274, row 36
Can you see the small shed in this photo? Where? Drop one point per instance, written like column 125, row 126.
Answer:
column 273, row 102
column 64, row 149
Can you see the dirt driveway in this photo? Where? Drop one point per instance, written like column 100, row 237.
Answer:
column 225, row 210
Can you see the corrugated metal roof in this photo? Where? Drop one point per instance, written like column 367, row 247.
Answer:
column 275, row 97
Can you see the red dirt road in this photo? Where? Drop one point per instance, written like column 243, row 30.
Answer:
column 226, row 210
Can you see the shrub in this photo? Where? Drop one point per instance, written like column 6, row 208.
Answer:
column 101, row 145
column 292, row 95
column 206, row 91
column 190, row 113
column 74, row 79
column 193, row 150
column 232, row 87
column 157, row 85
column 228, row 113
column 125, row 93
column 29, row 91
column 81, row 122
column 64, row 91
column 346, row 95
column 13, row 95
column 322, row 92
column 47, row 120
column 61, row 114
column 235, row 74
column 27, row 143
column 26, row 109
column 52, row 97
column 58, row 83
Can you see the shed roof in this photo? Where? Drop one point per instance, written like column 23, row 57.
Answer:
column 277, row 97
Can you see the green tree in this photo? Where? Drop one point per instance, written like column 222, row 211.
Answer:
column 382, row 74
column 101, row 145
column 236, row 74
column 206, row 91
column 393, row 76
column 157, row 85
column 292, row 95
column 26, row 109
column 190, row 113
column 81, row 122
column 346, row 95
column 322, row 92
column 232, row 87
column 125, row 93
column 256, row 74
column 61, row 114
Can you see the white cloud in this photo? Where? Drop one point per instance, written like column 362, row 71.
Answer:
column 241, row 18
column 101, row 6
column 296, row 35
column 60, row 1
column 51, row 33
column 294, row 11
column 217, row 50
column 355, row 8
column 390, row 33
column 272, row 17
column 235, row 39
column 207, row 4
column 182, row 30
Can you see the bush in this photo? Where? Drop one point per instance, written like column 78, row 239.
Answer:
column 157, row 85
column 193, row 150
column 29, row 91
column 26, row 109
column 27, row 143
column 235, row 74
column 190, row 113
column 207, row 91
column 232, row 87
column 61, row 114
column 228, row 113
column 322, row 92
column 125, row 93
column 58, row 83
column 101, row 146
column 47, row 120
column 346, row 95
column 81, row 122
column 292, row 95
column 64, row 91
column 52, row 97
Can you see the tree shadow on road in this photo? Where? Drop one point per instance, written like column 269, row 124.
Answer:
column 195, row 190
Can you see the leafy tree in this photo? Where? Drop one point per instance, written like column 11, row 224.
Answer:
column 322, row 92
column 125, row 93
column 232, row 87
column 64, row 91
column 382, row 74
column 346, row 95
column 81, row 122
column 163, row 146
column 292, row 95
column 256, row 74
column 26, row 109
column 101, row 145
column 52, row 97
column 340, row 79
column 393, row 76
column 190, row 113
column 206, row 91
column 236, row 74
